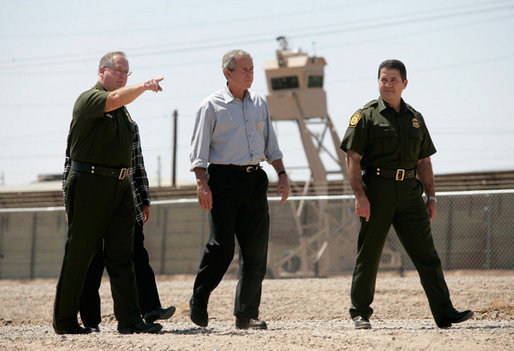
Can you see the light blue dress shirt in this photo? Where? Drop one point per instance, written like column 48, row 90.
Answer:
column 231, row 131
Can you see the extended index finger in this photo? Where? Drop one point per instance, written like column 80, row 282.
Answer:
column 285, row 195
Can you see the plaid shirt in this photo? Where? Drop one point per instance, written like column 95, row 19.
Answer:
column 140, row 188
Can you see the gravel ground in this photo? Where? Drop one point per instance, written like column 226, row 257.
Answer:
column 302, row 314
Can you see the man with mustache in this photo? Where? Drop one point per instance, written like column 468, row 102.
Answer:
column 387, row 144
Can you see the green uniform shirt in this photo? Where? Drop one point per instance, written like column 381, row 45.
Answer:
column 387, row 139
column 99, row 138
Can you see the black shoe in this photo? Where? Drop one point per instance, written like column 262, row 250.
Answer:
column 158, row 313
column 140, row 327
column 361, row 323
column 198, row 313
column 456, row 317
column 96, row 328
column 75, row 330
column 250, row 323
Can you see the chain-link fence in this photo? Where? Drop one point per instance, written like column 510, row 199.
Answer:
column 310, row 236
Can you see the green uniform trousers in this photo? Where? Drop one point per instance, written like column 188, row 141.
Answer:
column 99, row 208
column 400, row 204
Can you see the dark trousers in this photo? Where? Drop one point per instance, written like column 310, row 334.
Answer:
column 99, row 208
column 90, row 312
column 240, row 209
column 399, row 204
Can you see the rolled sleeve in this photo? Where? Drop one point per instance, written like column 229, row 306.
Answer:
column 272, row 150
column 201, row 139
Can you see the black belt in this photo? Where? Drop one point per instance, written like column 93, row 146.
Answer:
column 395, row 174
column 120, row 173
column 245, row 168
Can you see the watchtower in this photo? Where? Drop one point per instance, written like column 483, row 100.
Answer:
column 295, row 84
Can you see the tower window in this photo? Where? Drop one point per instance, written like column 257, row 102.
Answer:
column 315, row 82
column 284, row 83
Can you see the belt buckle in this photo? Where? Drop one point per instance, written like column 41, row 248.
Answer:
column 123, row 173
column 250, row 169
column 400, row 173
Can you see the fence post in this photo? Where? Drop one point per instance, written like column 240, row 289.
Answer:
column 449, row 234
column 2, row 223
column 163, row 240
column 489, row 233
column 33, row 246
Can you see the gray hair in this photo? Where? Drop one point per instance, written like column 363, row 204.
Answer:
column 108, row 58
column 229, row 59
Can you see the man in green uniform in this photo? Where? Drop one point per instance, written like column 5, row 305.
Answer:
column 387, row 144
column 99, row 202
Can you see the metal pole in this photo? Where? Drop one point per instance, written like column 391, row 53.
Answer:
column 174, row 162
column 159, row 171
column 489, row 210
column 33, row 246
column 3, row 218
column 163, row 239
column 449, row 235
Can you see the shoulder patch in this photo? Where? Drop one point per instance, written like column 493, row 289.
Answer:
column 355, row 119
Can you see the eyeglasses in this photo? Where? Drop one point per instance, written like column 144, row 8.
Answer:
column 119, row 71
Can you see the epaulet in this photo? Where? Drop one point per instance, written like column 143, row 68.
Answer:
column 372, row 103
column 412, row 109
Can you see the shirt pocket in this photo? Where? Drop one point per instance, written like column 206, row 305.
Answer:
column 260, row 124
column 415, row 139
column 225, row 117
column 255, row 118
column 385, row 139
column 227, row 124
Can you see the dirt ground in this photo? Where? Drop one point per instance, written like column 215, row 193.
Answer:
column 302, row 314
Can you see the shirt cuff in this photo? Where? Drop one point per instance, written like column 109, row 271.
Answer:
column 198, row 163
column 275, row 156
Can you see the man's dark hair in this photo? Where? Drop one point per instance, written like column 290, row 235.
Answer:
column 394, row 64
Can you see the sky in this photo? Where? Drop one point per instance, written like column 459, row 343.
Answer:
column 459, row 57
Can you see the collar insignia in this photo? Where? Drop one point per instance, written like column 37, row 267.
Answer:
column 128, row 116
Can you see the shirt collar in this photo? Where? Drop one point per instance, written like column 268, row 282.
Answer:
column 382, row 105
column 228, row 97
column 99, row 86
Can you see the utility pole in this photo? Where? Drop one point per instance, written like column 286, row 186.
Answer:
column 159, row 171
column 174, row 151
